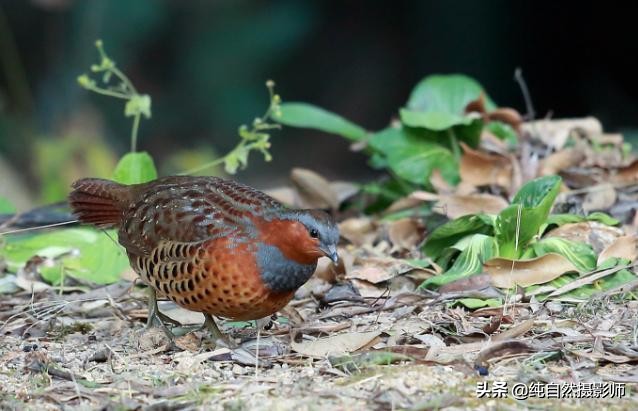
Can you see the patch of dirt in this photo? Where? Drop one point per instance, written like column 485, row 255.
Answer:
column 400, row 352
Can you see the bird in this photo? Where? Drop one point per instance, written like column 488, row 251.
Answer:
column 209, row 244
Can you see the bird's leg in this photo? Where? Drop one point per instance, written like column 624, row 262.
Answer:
column 166, row 319
column 218, row 336
column 155, row 317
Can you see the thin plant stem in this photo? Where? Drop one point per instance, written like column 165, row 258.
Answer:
column 210, row 164
column 110, row 93
column 124, row 80
column 136, row 126
column 455, row 144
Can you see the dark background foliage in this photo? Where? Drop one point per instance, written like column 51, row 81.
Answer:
column 205, row 64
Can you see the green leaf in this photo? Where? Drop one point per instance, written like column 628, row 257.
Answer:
column 474, row 303
column 6, row 207
column 479, row 249
column 562, row 219
column 413, row 156
column 585, row 292
column 83, row 253
column 438, row 103
column 434, row 120
column 550, row 286
column 612, row 262
column 538, row 192
column 135, row 168
column 451, row 128
column 138, row 104
column 603, row 218
column 580, row 254
column 355, row 363
column 452, row 232
column 447, row 94
column 503, row 131
column 309, row 116
column 532, row 203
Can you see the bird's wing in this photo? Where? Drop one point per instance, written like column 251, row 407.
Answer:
column 176, row 212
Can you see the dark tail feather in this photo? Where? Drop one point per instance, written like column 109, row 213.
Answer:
column 99, row 202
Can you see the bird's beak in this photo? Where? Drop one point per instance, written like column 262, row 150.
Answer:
column 331, row 253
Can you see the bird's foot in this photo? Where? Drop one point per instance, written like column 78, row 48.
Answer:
column 238, row 353
column 168, row 320
column 156, row 319
column 217, row 338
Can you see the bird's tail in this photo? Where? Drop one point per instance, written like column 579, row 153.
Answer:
column 99, row 202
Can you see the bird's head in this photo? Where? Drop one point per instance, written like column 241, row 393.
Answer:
column 303, row 235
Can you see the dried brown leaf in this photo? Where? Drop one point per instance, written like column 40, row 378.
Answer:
column 335, row 344
column 554, row 133
column 626, row 175
column 560, row 160
column 501, row 349
column 405, row 233
column 285, row 195
column 507, row 273
column 327, row 271
column 379, row 269
column 424, row 196
column 599, row 197
column 480, row 169
column 491, row 143
column 369, row 290
column 474, row 282
column 358, row 231
column 476, row 106
column 344, row 190
column 515, row 331
column 403, row 203
column 450, row 354
column 440, row 185
column 623, row 247
column 507, row 115
column 314, row 190
column 455, row 206
column 596, row 234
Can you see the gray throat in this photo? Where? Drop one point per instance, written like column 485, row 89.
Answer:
column 279, row 273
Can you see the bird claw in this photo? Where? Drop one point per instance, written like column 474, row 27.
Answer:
column 166, row 319
column 218, row 338
column 158, row 319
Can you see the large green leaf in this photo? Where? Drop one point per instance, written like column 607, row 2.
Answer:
column 309, row 116
column 561, row 219
column 438, row 103
column 135, row 168
column 612, row 281
column 450, row 233
column 446, row 94
column 517, row 224
column 584, row 292
column 537, row 192
column 434, row 120
column 476, row 250
column 83, row 253
column 580, row 254
column 413, row 155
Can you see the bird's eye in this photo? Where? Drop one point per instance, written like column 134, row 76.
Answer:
column 314, row 233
